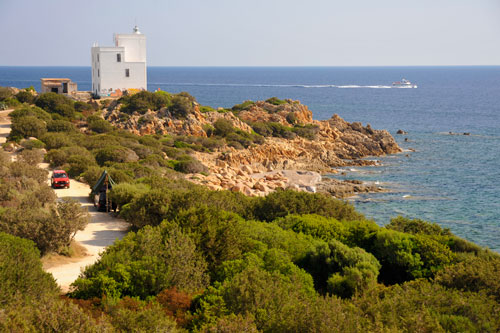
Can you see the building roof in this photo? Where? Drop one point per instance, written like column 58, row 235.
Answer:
column 55, row 79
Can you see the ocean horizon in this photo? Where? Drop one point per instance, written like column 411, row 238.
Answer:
column 443, row 178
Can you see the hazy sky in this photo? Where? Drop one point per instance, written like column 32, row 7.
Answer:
column 256, row 32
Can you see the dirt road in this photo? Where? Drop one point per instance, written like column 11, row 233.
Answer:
column 4, row 125
column 102, row 230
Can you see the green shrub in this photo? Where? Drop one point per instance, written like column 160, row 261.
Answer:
column 83, row 107
column 78, row 164
column 33, row 144
column 21, row 273
column 99, row 125
column 31, row 157
column 34, row 111
column 283, row 203
column 190, row 165
column 52, row 103
column 124, row 193
column 27, row 126
column 182, row 105
column 243, row 106
column 205, row 108
column 92, row 175
column 420, row 306
column 60, row 126
column 474, row 274
column 144, row 101
column 51, row 230
column 307, row 131
column 406, row 257
column 275, row 101
column 115, row 154
column 143, row 264
column 64, row 110
column 416, row 226
column 5, row 92
column 223, row 127
column 55, row 140
column 291, row 118
column 25, row 97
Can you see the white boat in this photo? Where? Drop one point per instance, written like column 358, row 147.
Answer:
column 404, row 83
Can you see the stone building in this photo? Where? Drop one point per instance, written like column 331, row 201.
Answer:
column 121, row 67
column 59, row 86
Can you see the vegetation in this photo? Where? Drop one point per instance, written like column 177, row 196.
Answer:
column 217, row 261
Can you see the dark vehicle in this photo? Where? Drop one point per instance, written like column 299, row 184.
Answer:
column 59, row 179
column 102, row 204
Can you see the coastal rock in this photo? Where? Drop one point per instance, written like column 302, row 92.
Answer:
column 336, row 143
column 265, row 112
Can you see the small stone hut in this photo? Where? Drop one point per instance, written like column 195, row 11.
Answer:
column 59, row 86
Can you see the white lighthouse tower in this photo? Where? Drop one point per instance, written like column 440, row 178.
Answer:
column 120, row 67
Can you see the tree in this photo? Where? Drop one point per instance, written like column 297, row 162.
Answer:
column 28, row 126
column 182, row 105
column 25, row 97
column 21, row 273
column 143, row 264
column 223, row 127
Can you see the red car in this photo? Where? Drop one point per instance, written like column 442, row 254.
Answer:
column 59, row 179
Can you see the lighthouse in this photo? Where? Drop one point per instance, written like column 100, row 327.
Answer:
column 120, row 67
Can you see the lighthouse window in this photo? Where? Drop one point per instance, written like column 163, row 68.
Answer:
column 118, row 57
column 127, row 72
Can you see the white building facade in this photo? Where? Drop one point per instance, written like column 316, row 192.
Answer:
column 121, row 67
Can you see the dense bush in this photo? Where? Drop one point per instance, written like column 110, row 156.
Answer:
column 190, row 165
column 182, row 105
column 25, row 97
column 55, row 103
column 115, row 154
column 33, row 111
column 27, row 126
column 243, row 106
column 124, row 193
column 60, row 126
column 275, row 101
column 474, row 274
column 99, row 125
column 144, row 101
column 5, row 92
column 21, row 273
column 420, row 306
column 51, row 230
column 56, row 140
column 143, row 264
column 282, row 203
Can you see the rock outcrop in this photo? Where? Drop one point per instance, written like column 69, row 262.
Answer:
column 163, row 122
column 337, row 143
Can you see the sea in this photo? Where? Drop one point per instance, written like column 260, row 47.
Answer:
column 442, row 176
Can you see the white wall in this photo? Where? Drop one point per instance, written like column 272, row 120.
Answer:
column 135, row 46
column 108, row 74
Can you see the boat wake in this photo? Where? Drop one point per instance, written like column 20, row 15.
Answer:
column 348, row 86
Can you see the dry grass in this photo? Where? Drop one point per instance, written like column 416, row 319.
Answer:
column 75, row 252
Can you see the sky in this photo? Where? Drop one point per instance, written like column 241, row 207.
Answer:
column 256, row 32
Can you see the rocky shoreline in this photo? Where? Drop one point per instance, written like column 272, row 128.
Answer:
column 277, row 163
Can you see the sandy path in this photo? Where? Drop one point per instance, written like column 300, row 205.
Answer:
column 4, row 125
column 102, row 230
